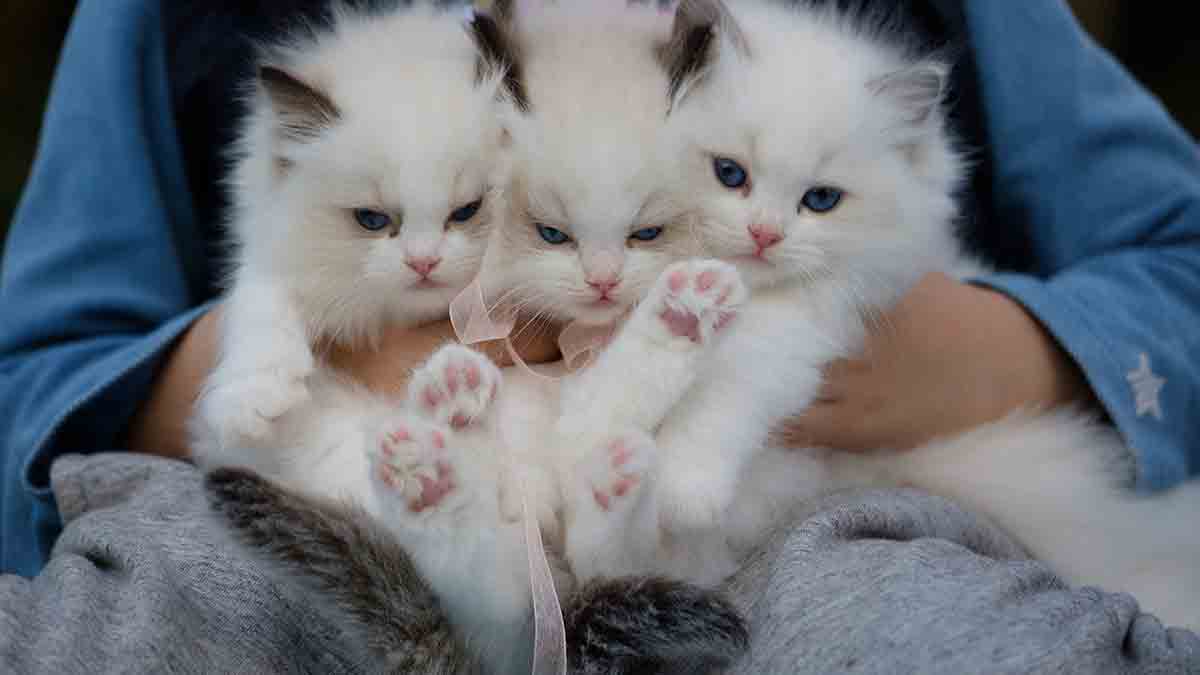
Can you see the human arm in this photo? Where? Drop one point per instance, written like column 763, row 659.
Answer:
column 920, row 374
column 1091, row 173
column 95, row 288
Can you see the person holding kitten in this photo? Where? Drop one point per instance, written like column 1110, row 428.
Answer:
column 1088, row 193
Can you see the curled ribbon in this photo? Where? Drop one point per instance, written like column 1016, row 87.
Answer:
column 473, row 323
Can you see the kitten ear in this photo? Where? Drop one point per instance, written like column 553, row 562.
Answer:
column 693, row 46
column 498, row 53
column 302, row 112
column 917, row 91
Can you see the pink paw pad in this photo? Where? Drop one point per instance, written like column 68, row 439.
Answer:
column 432, row 397
column 622, row 481
column 456, row 387
column 433, row 490
column 681, row 324
column 700, row 299
column 416, row 470
column 677, row 281
column 389, row 445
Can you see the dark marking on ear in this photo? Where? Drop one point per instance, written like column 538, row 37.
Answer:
column 688, row 56
column 691, row 49
column 302, row 112
column 498, row 51
column 918, row 90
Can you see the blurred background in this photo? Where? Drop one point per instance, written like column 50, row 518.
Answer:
column 1154, row 40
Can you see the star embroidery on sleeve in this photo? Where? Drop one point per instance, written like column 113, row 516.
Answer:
column 1146, row 388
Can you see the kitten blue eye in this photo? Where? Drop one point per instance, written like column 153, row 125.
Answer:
column 552, row 235
column 647, row 234
column 730, row 173
column 821, row 199
column 465, row 213
column 372, row 221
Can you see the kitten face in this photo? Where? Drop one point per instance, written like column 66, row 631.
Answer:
column 382, row 145
column 590, row 222
column 394, row 206
column 818, row 154
column 584, row 239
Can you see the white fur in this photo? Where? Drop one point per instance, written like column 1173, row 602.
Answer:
column 817, row 101
column 417, row 137
column 806, row 108
column 682, row 424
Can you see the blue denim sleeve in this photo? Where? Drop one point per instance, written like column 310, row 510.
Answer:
column 1108, row 187
column 94, row 288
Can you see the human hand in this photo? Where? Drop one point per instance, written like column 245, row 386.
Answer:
column 950, row 356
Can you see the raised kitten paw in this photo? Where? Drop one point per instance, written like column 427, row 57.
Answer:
column 695, row 299
column 242, row 410
column 455, row 387
column 614, row 471
column 411, row 464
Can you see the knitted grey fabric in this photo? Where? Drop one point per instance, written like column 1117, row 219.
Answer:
column 144, row 580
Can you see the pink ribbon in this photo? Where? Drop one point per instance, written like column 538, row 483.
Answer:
column 549, row 633
column 473, row 323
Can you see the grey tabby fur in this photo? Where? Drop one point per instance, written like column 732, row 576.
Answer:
column 622, row 626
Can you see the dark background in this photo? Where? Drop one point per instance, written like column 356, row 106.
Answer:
column 1153, row 39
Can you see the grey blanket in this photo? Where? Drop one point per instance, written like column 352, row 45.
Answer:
column 145, row 580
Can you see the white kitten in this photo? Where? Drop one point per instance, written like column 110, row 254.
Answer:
column 365, row 195
column 586, row 234
column 830, row 174
column 590, row 228
column 361, row 199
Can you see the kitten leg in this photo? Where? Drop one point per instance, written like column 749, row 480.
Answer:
column 342, row 554
column 438, row 491
column 611, row 526
column 262, row 373
column 653, row 360
column 456, row 387
column 643, row 374
column 703, row 458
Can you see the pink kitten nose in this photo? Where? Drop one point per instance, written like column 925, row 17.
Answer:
column 765, row 236
column 604, row 285
column 423, row 266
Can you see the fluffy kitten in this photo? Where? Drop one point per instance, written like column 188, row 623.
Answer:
column 590, row 228
column 361, row 199
column 830, row 173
